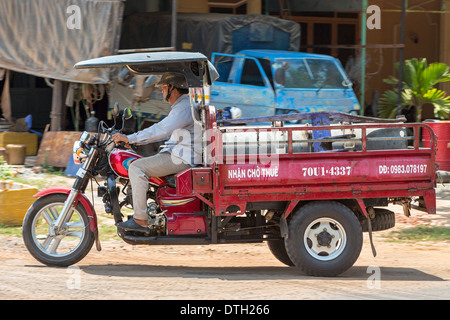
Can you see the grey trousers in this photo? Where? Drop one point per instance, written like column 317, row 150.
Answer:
column 143, row 169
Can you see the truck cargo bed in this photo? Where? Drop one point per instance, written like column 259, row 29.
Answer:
column 273, row 164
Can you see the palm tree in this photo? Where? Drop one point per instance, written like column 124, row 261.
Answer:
column 419, row 81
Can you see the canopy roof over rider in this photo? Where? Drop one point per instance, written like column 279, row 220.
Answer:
column 196, row 68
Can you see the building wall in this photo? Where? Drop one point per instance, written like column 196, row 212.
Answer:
column 201, row 6
column 422, row 40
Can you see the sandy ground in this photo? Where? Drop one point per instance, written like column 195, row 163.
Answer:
column 230, row 272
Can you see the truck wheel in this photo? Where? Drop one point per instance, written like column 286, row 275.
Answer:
column 278, row 249
column 384, row 219
column 62, row 249
column 325, row 238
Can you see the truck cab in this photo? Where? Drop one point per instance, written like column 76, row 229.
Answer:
column 274, row 82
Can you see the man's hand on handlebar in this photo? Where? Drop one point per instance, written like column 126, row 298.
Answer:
column 118, row 138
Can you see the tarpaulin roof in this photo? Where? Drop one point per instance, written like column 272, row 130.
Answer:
column 46, row 38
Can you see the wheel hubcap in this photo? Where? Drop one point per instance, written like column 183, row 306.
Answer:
column 325, row 239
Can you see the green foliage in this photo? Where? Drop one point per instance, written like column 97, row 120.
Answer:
column 418, row 88
column 5, row 170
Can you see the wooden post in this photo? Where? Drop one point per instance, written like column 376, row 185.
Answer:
column 444, row 41
column 254, row 7
column 57, row 106
column 362, row 86
column 401, row 59
column 173, row 37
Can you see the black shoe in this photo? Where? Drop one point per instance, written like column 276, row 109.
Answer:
column 131, row 225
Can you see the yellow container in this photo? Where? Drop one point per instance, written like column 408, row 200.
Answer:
column 30, row 140
column 15, row 199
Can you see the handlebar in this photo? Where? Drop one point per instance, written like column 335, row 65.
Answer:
column 104, row 129
column 121, row 144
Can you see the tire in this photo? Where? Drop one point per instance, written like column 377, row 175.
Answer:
column 325, row 238
column 278, row 249
column 62, row 250
column 384, row 219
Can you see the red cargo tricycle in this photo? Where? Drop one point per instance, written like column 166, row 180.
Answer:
column 308, row 189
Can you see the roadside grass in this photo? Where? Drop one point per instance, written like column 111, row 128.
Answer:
column 420, row 233
column 106, row 232
column 13, row 231
column 51, row 177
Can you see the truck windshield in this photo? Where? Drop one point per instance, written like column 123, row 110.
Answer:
column 308, row 73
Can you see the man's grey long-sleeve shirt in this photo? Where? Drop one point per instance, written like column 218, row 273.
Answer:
column 185, row 135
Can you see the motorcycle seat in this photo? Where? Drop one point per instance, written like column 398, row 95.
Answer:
column 171, row 180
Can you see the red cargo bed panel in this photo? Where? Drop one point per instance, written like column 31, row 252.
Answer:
column 416, row 167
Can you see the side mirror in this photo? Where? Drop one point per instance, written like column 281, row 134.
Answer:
column 346, row 83
column 116, row 109
column 280, row 76
column 127, row 114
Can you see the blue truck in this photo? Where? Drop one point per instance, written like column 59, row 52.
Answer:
column 270, row 82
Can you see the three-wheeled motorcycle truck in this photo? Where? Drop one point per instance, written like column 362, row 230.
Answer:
column 309, row 190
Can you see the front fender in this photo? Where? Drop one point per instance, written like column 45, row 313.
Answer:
column 84, row 202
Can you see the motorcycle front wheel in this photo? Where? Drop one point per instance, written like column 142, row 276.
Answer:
column 61, row 248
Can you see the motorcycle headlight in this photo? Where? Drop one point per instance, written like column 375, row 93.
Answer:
column 79, row 152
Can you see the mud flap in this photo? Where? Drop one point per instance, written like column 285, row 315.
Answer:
column 284, row 229
column 98, row 246
column 369, row 224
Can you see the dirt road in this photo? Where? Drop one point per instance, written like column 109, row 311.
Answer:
column 120, row 271
column 241, row 271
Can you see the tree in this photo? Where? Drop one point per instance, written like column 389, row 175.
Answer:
column 418, row 88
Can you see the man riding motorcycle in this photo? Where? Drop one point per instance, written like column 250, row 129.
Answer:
column 179, row 153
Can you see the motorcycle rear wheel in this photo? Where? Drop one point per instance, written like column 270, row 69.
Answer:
column 64, row 248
